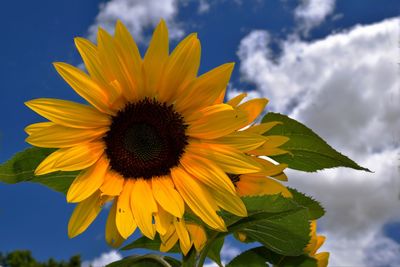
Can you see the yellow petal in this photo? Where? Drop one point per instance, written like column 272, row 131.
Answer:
column 163, row 220
column 228, row 159
column 166, row 195
column 322, row 259
column 267, row 151
column 35, row 127
column 84, row 86
column 98, row 72
column 275, row 141
column 88, row 181
column 90, row 57
column 253, row 108
column 197, row 235
column 320, row 241
column 311, row 247
column 113, row 237
column 242, row 140
column 230, row 202
column 131, row 59
column 183, row 235
column 125, row 39
column 156, row 58
column 213, row 125
column 221, row 97
column 271, row 169
column 67, row 113
column 197, row 198
column 205, row 89
column 84, row 214
column 263, row 127
column 252, row 184
column 73, row 158
column 209, row 110
column 113, row 184
column 169, row 239
column 207, row 172
column 61, row 136
column 111, row 57
column 236, row 100
column 124, row 220
column 281, row 177
column 143, row 206
column 181, row 68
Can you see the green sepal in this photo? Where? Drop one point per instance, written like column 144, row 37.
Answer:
column 307, row 151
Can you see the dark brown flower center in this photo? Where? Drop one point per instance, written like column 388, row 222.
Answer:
column 146, row 139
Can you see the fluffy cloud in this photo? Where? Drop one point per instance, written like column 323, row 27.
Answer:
column 204, row 7
column 228, row 252
column 311, row 13
column 372, row 249
column 138, row 16
column 103, row 259
column 357, row 203
column 346, row 88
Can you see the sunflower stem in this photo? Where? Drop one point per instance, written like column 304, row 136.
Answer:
column 204, row 252
column 190, row 259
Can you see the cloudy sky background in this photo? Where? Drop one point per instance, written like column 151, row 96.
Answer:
column 332, row 65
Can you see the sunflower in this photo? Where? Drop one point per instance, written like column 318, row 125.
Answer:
column 155, row 138
column 315, row 243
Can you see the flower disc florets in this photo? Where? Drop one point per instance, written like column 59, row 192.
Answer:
column 146, row 139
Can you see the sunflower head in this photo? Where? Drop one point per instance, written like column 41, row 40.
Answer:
column 154, row 138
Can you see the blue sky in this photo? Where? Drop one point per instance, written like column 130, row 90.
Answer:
column 330, row 64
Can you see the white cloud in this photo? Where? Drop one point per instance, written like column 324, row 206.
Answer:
column 103, row 259
column 311, row 13
column 356, row 202
column 138, row 16
column 371, row 249
column 204, row 7
column 345, row 87
column 228, row 252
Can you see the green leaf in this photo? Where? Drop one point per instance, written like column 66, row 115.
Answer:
column 251, row 258
column 215, row 250
column 258, row 257
column 279, row 223
column 147, row 243
column 315, row 210
column 148, row 260
column 308, row 151
column 21, row 167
